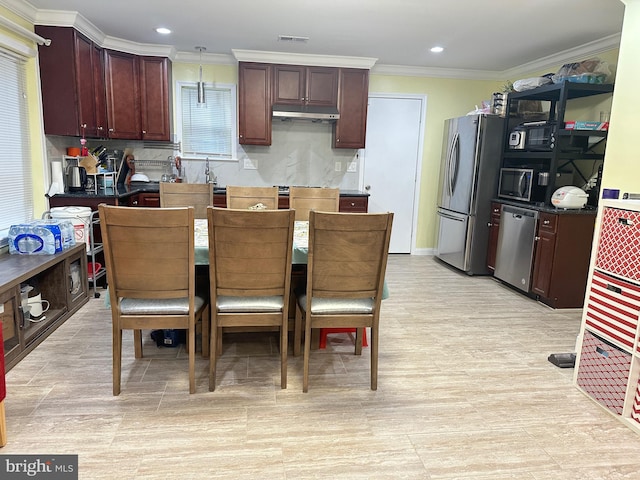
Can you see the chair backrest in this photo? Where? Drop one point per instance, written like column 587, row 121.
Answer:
column 149, row 252
column 305, row 199
column 244, row 197
column 348, row 254
column 250, row 251
column 196, row 195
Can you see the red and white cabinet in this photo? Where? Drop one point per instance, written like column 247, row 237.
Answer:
column 608, row 361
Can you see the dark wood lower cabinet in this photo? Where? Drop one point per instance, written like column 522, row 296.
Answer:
column 561, row 259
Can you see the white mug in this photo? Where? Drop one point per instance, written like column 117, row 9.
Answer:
column 38, row 306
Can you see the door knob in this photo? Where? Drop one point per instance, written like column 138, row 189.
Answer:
column 367, row 187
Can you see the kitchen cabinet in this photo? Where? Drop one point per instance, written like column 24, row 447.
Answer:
column 97, row 93
column 300, row 85
column 494, row 231
column 561, row 258
column 353, row 98
column 155, row 105
column 123, row 95
column 254, row 103
column 145, row 199
column 354, row 204
column 72, row 82
column 568, row 146
column 61, row 279
column 608, row 360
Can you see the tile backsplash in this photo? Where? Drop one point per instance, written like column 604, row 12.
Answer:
column 301, row 153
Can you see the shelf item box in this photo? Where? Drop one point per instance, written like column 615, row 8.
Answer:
column 603, row 372
column 577, row 125
column 612, row 310
column 619, row 243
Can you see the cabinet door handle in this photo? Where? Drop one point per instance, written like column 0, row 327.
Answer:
column 144, row 131
column 546, row 222
column 111, row 130
column 536, row 238
column 489, row 224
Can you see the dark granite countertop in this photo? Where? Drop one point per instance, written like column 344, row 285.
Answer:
column 124, row 191
column 588, row 210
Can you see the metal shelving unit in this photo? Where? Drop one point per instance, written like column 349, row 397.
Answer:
column 95, row 248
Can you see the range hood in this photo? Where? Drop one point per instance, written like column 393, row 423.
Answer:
column 306, row 112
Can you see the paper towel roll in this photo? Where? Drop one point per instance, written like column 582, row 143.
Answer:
column 57, row 177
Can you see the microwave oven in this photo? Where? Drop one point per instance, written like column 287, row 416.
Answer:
column 523, row 184
column 533, row 136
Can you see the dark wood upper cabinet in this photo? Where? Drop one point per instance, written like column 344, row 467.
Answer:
column 71, row 70
column 123, row 95
column 97, row 93
column 353, row 97
column 155, row 108
column 300, row 85
column 254, row 103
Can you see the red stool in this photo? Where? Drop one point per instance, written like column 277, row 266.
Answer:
column 325, row 331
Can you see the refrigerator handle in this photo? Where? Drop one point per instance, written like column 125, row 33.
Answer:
column 454, row 160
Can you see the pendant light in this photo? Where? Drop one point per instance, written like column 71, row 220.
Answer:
column 201, row 99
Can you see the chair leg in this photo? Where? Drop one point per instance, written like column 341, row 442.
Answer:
column 284, row 344
column 213, row 354
column 359, row 340
column 206, row 322
column 3, row 425
column 117, row 359
column 191, row 332
column 297, row 332
column 307, row 352
column 137, row 343
column 374, row 355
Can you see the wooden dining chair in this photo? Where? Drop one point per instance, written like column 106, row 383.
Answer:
column 249, row 275
column 345, row 278
column 305, row 199
column 246, row 197
column 149, row 256
column 197, row 195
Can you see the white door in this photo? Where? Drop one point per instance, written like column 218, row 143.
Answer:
column 391, row 162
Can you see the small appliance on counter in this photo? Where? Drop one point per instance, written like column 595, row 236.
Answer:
column 569, row 198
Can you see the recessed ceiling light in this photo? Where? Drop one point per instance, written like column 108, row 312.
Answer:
column 163, row 30
column 437, row 49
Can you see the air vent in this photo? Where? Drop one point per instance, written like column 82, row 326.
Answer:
column 292, row 38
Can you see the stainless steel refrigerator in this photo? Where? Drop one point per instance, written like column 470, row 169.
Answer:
column 469, row 170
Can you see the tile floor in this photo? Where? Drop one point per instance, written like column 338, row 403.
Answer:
column 465, row 392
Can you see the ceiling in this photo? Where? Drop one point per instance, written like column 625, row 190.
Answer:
column 477, row 35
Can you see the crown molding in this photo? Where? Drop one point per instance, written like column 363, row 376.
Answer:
column 571, row 55
column 303, row 59
column 410, row 71
column 207, row 58
column 23, row 9
column 30, row 14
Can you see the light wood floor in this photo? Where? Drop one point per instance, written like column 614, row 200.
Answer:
column 465, row 391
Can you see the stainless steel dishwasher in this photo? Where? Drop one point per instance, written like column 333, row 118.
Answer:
column 516, row 242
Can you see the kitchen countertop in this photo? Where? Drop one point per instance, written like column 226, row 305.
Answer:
column 548, row 208
column 125, row 191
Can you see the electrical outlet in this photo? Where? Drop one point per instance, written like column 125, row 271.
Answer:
column 338, row 166
column 250, row 164
column 352, row 167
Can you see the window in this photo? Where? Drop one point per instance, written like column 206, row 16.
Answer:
column 209, row 129
column 16, row 196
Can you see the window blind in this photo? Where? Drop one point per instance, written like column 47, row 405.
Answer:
column 208, row 129
column 16, row 196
